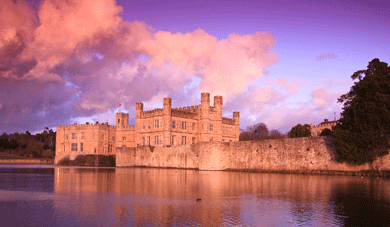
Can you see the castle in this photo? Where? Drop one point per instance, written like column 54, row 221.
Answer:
column 164, row 127
column 317, row 129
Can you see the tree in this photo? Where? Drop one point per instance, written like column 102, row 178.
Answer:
column 259, row 132
column 364, row 129
column 275, row 134
column 299, row 131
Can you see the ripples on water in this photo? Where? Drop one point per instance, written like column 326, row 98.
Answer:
column 38, row 195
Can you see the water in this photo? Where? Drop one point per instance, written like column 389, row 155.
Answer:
column 44, row 195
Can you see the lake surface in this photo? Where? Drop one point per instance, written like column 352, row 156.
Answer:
column 44, row 195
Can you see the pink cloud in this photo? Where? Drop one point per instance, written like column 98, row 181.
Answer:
column 85, row 47
column 322, row 98
column 290, row 87
column 326, row 55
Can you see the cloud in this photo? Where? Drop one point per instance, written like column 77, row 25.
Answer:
column 322, row 98
column 79, row 58
column 284, row 84
column 324, row 56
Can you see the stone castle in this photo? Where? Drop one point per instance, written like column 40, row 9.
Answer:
column 164, row 127
column 326, row 124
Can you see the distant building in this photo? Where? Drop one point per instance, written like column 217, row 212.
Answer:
column 317, row 129
column 158, row 127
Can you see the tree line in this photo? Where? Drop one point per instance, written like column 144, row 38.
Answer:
column 260, row 132
column 40, row 145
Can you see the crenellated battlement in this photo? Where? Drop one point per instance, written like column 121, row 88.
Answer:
column 86, row 126
column 152, row 113
column 227, row 121
column 192, row 109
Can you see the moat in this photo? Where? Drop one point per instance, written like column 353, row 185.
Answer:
column 47, row 195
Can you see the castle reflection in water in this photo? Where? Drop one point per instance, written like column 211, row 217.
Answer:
column 148, row 196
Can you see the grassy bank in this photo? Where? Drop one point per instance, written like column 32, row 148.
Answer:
column 10, row 158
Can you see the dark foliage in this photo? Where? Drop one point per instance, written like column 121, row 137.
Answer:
column 364, row 130
column 326, row 132
column 41, row 145
column 259, row 132
column 299, row 131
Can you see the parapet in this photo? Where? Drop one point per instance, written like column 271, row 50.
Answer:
column 205, row 97
column 217, row 101
column 152, row 113
column 167, row 102
column 86, row 126
column 139, row 106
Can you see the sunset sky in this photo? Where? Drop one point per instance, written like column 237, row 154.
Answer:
column 276, row 62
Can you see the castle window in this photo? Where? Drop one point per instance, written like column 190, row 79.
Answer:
column 73, row 147
column 173, row 140
column 94, row 151
column 64, row 147
column 143, row 141
column 124, row 138
column 147, row 140
column 143, row 125
column 81, row 147
column 82, row 135
column 158, row 123
column 211, row 127
column 193, row 140
column 119, row 121
column 173, row 124
column 230, row 130
column 157, row 139
column 193, row 126
column 74, row 135
column 148, row 125
column 93, row 135
column 103, row 136
column 183, row 140
column 184, row 125
column 66, row 137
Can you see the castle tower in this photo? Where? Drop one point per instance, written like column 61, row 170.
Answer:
column 139, row 108
column 205, row 117
column 236, row 119
column 217, row 118
column 122, row 119
column 167, row 119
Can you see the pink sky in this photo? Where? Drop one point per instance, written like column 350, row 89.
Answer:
column 276, row 62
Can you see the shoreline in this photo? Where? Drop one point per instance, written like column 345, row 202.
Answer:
column 27, row 161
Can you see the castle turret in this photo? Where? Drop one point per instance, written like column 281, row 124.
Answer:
column 217, row 119
column 167, row 119
column 205, row 117
column 236, row 119
column 139, row 108
column 122, row 119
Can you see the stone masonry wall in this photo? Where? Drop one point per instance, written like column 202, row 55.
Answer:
column 185, row 157
column 308, row 154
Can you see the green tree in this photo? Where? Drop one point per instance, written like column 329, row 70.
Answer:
column 299, row 131
column 364, row 129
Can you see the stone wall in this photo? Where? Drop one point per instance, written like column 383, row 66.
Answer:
column 310, row 154
column 185, row 157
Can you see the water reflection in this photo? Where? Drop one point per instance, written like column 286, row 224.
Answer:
column 168, row 197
